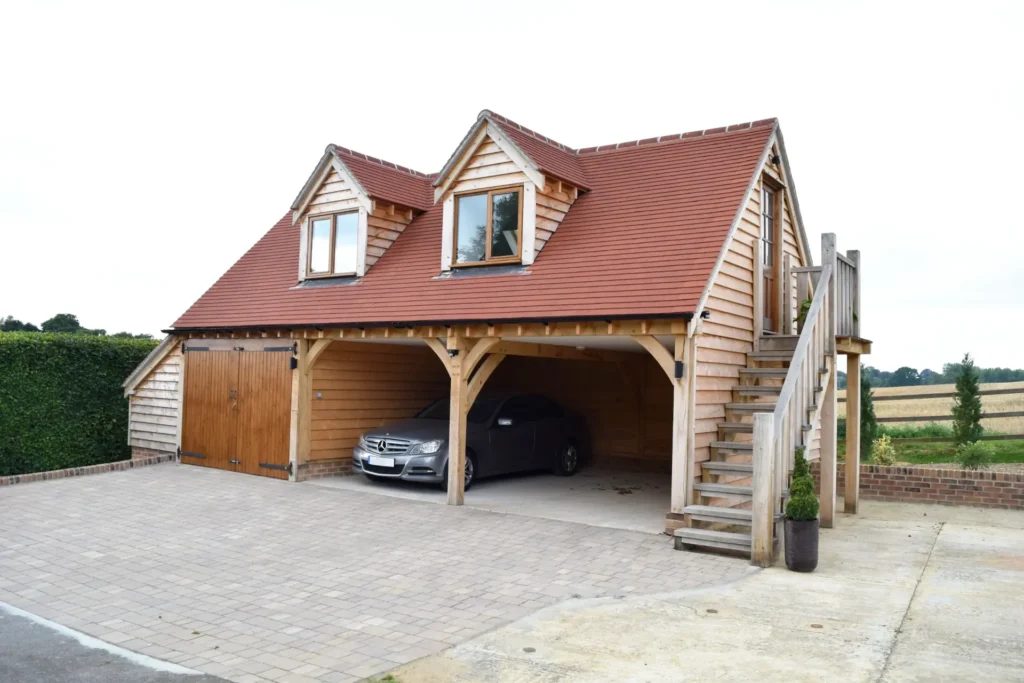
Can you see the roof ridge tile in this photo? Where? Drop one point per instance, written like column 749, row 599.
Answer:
column 523, row 129
column 381, row 162
column 761, row 123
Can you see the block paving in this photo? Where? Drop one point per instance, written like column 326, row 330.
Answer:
column 255, row 579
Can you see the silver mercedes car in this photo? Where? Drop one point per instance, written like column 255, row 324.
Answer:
column 505, row 433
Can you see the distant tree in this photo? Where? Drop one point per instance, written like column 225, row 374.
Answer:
column 967, row 404
column 129, row 335
column 12, row 324
column 868, row 422
column 905, row 377
column 841, row 380
column 62, row 322
column 930, row 377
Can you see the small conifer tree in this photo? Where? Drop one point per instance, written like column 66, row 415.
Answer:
column 868, row 423
column 967, row 404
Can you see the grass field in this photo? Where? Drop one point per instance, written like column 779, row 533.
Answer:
column 1011, row 451
column 1002, row 403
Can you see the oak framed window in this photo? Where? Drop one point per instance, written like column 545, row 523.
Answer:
column 333, row 241
column 488, row 227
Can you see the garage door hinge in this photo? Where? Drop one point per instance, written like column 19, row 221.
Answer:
column 680, row 367
column 293, row 363
column 284, row 468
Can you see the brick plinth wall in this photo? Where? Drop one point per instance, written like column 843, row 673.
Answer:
column 149, row 453
column 81, row 471
column 944, row 487
column 320, row 469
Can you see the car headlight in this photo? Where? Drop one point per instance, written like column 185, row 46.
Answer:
column 427, row 447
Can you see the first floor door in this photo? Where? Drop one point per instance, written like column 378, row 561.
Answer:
column 237, row 410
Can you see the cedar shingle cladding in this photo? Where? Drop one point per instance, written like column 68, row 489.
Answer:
column 642, row 242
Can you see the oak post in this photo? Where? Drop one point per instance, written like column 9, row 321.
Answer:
column 851, row 488
column 457, row 409
column 680, row 404
column 299, row 423
column 762, row 505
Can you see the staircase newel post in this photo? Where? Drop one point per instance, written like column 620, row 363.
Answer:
column 828, row 441
column 762, row 505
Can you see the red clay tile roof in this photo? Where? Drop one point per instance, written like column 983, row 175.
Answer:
column 641, row 243
column 387, row 181
column 552, row 157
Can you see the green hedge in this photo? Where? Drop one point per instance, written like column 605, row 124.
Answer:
column 61, row 402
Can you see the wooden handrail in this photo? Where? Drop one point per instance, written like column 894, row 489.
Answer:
column 789, row 386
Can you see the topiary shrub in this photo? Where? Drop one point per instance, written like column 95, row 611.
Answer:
column 973, row 456
column 802, row 505
column 882, row 451
column 800, row 466
column 61, row 402
column 802, row 508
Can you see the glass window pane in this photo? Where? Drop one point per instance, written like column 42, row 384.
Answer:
column 320, row 246
column 472, row 229
column 505, row 225
column 346, row 228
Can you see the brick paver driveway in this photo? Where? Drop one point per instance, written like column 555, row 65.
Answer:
column 255, row 579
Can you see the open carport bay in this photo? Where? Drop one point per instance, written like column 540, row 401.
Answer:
column 620, row 391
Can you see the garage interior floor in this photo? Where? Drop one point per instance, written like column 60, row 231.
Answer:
column 636, row 501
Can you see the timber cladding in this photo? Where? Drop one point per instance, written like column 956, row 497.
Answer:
column 628, row 408
column 153, row 407
column 358, row 386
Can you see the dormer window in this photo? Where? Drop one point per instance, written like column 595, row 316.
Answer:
column 333, row 243
column 488, row 226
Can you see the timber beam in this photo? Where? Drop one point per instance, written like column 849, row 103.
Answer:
column 610, row 327
column 854, row 346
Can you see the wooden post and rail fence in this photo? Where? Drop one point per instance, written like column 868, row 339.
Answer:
column 946, row 417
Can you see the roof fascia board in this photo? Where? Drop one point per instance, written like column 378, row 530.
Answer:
column 733, row 228
column 362, row 197
column 459, row 160
column 143, row 369
column 805, row 245
column 484, row 128
column 329, row 160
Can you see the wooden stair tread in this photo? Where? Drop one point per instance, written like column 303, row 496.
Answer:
column 770, row 355
column 716, row 539
column 779, row 373
column 751, row 407
column 737, row 427
column 756, row 391
column 720, row 466
column 734, row 514
column 711, row 490
column 733, row 445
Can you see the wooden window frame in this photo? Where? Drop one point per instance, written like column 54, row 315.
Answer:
column 332, row 247
column 488, row 260
column 779, row 228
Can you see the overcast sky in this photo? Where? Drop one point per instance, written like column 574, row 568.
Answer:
column 144, row 147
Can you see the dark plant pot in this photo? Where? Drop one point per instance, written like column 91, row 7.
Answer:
column 802, row 545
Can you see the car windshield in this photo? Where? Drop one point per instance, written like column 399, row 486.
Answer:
column 481, row 411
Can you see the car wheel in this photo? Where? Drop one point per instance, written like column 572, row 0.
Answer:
column 568, row 460
column 470, row 474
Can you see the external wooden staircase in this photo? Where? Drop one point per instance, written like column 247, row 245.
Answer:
column 721, row 516
column 782, row 402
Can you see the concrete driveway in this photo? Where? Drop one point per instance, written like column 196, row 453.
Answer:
column 254, row 579
column 902, row 593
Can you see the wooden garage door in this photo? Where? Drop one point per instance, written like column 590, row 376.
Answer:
column 236, row 413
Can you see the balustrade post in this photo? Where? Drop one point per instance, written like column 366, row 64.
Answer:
column 854, row 255
column 763, row 505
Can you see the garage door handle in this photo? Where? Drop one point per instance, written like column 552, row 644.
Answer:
column 233, row 394
column 235, row 462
